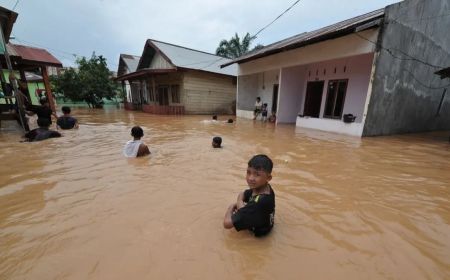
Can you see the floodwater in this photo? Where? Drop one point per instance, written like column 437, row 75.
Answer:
column 346, row 208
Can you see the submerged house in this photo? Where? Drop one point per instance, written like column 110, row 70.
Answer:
column 369, row 75
column 171, row 79
column 128, row 64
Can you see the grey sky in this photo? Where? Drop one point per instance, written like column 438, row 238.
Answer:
column 111, row 27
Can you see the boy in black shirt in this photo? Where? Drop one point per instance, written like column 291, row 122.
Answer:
column 255, row 207
column 42, row 132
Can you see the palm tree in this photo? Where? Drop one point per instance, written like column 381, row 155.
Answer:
column 234, row 47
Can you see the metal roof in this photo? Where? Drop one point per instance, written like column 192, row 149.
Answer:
column 32, row 56
column 127, row 64
column 7, row 20
column 186, row 58
column 336, row 30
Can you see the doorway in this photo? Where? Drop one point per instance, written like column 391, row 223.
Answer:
column 163, row 95
column 275, row 98
column 313, row 99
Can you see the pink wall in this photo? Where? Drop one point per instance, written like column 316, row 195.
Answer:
column 356, row 69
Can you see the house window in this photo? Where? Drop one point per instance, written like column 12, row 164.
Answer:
column 335, row 99
column 175, row 93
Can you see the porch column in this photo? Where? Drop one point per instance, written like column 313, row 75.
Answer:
column 48, row 90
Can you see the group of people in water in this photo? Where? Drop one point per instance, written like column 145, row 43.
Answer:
column 254, row 208
column 44, row 121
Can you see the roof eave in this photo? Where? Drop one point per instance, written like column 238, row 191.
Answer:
column 373, row 23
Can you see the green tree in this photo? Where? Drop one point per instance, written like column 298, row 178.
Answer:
column 91, row 82
column 236, row 47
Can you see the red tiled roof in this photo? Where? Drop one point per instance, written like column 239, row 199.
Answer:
column 33, row 56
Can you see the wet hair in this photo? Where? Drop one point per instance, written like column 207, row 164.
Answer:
column 230, row 121
column 217, row 140
column 261, row 162
column 214, row 117
column 43, row 122
column 137, row 132
column 43, row 100
column 66, row 109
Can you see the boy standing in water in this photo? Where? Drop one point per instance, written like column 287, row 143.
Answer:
column 136, row 147
column 255, row 207
column 67, row 121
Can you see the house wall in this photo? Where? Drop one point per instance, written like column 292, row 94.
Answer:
column 291, row 93
column 255, row 85
column 406, row 93
column 207, row 93
column 357, row 70
column 345, row 46
column 159, row 62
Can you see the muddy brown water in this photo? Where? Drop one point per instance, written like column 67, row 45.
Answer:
column 346, row 208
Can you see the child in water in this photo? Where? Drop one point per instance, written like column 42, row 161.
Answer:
column 255, row 207
column 217, row 142
column 136, row 147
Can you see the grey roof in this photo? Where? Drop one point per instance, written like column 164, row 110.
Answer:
column 130, row 62
column 339, row 29
column 182, row 57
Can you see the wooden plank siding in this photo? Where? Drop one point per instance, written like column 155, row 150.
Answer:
column 207, row 93
column 159, row 62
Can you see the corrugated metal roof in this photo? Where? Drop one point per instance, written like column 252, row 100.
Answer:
column 7, row 19
column 182, row 57
column 32, row 55
column 127, row 63
column 342, row 28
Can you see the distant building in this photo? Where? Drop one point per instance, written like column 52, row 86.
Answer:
column 170, row 79
column 368, row 75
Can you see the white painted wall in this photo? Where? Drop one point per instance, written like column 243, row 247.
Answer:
column 330, row 125
column 345, row 46
column 291, row 93
column 256, row 85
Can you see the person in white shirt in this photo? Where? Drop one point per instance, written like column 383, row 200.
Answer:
column 258, row 105
column 136, row 147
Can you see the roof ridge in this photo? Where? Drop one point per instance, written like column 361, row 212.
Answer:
column 182, row 47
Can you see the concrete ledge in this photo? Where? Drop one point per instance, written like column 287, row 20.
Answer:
column 330, row 125
column 244, row 114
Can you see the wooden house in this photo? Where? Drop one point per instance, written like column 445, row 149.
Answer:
column 172, row 79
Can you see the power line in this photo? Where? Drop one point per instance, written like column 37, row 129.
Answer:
column 262, row 29
column 389, row 51
column 15, row 5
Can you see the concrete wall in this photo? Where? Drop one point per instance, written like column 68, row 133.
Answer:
column 255, row 85
column 406, row 93
column 345, row 46
column 291, row 93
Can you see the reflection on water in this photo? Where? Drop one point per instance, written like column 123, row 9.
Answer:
column 347, row 208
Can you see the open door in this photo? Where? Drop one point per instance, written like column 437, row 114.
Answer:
column 313, row 99
column 275, row 98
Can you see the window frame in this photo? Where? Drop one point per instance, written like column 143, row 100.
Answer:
column 332, row 116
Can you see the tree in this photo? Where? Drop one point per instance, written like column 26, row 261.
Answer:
column 234, row 47
column 90, row 83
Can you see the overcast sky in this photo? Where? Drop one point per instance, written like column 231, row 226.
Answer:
column 111, row 27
